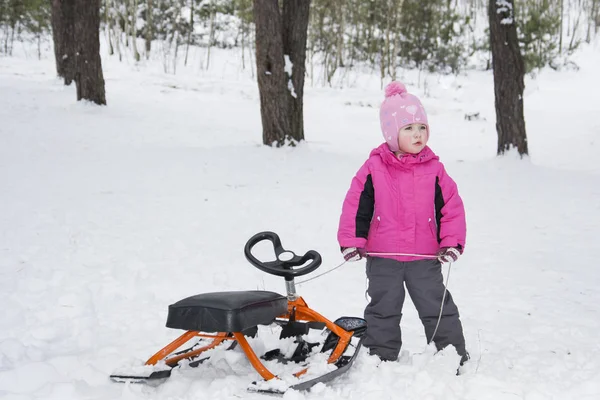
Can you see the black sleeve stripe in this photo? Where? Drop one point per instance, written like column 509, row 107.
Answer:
column 439, row 203
column 366, row 205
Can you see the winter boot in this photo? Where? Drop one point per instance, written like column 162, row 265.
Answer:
column 463, row 360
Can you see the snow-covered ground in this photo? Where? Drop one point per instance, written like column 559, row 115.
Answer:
column 110, row 214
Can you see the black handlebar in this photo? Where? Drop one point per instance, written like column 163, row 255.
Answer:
column 281, row 266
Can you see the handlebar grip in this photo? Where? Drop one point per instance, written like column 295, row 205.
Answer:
column 279, row 267
column 253, row 241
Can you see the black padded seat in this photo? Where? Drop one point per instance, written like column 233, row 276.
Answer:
column 226, row 311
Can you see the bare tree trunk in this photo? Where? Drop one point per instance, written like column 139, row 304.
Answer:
column 39, row 41
column 63, row 35
column 340, row 35
column 211, row 33
column 15, row 10
column 12, row 37
column 356, row 38
column 88, row 65
column 588, row 35
column 133, row 30
column 176, row 40
column 509, row 73
column 107, row 26
column 148, row 28
column 295, row 29
column 243, row 27
column 575, row 29
column 385, row 52
column 2, row 13
column 189, row 38
column 596, row 16
column 281, row 95
column 251, row 51
column 272, row 81
column 126, row 22
column 397, row 7
column 117, row 32
column 560, row 40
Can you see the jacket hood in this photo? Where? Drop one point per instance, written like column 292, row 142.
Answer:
column 403, row 160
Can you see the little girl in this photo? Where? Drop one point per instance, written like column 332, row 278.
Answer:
column 404, row 213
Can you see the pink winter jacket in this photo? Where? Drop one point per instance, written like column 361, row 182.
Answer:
column 402, row 205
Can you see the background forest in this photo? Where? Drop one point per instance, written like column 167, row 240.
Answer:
column 446, row 36
column 109, row 214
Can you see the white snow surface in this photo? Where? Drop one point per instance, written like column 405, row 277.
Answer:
column 110, row 214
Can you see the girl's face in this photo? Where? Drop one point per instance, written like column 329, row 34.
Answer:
column 413, row 138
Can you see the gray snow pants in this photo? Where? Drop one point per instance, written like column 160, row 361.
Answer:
column 425, row 284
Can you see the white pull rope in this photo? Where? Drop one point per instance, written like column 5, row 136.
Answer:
column 316, row 276
column 437, row 325
column 441, row 305
column 370, row 254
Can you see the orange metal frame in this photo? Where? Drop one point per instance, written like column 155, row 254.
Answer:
column 302, row 313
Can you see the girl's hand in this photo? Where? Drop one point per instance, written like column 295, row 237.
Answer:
column 352, row 253
column 448, row 254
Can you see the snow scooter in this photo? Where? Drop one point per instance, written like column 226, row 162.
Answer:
column 223, row 320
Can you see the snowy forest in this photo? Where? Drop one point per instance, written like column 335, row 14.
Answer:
column 323, row 40
column 148, row 146
column 382, row 35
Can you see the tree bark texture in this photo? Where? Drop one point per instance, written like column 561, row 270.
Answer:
column 88, row 65
column 63, row 35
column 509, row 73
column 148, row 27
column 133, row 30
column 295, row 30
column 277, row 34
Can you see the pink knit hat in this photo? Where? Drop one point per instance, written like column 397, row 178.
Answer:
column 399, row 109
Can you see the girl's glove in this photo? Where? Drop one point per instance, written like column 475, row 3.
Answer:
column 352, row 253
column 448, row 254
